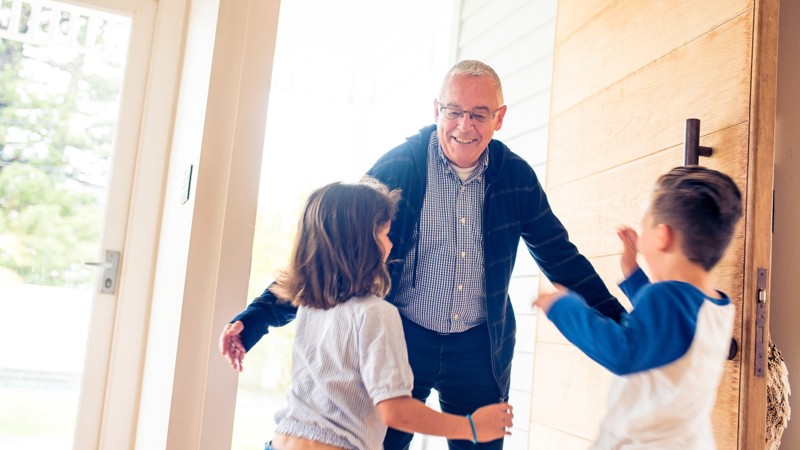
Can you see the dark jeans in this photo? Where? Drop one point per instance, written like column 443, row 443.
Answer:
column 459, row 367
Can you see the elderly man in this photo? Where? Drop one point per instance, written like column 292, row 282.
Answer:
column 467, row 201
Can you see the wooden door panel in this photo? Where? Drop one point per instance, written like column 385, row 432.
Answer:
column 728, row 275
column 594, row 58
column 645, row 112
column 627, row 75
column 725, row 416
column 592, row 208
column 573, row 14
column 575, row 380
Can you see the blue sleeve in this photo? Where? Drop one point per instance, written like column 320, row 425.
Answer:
column 658, row 331
column 263, row 312
column 631, row 285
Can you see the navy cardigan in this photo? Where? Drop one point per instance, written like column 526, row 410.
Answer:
column 515, row 206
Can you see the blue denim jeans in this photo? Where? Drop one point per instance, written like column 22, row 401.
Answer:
column 459, row 367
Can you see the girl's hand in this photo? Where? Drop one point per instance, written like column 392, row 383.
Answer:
column 493, row 421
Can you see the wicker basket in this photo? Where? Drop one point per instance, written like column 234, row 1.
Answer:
column 778, row 391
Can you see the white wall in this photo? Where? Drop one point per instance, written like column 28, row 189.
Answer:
column 785, row 307
column 516, row 38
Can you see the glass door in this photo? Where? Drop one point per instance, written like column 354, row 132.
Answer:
column 62, row 72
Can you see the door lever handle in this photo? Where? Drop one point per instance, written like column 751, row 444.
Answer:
column 108, row 284
column 733, row 350
column 692, row 150
column 98, row 264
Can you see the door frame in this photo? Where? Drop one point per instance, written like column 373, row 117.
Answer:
column 758, row 229
column 116, row 342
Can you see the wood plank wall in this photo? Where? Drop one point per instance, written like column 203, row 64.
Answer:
column 627, row 74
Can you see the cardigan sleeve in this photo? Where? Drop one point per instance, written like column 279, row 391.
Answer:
column 559, row 259
column 263, row 312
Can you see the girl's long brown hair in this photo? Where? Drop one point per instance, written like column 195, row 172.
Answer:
column 337, row 255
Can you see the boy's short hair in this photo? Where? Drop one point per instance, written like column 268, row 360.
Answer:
column 703, row 206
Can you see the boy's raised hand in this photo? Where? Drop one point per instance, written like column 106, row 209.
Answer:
column 629, row 240
column 493, row 421
column 546, row 299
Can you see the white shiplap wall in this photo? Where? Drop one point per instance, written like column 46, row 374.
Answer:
column 516, row 38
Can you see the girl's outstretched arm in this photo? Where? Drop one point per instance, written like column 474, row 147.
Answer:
column 411, row 415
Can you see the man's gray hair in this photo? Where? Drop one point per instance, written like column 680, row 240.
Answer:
column 473, row 68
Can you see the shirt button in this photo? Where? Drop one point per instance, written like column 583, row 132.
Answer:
column 463, row 220
column 463, row 254
column 463, row 188
column 455, row 316
column 460, row 287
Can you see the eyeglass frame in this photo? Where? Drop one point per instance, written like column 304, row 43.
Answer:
column 489, row 114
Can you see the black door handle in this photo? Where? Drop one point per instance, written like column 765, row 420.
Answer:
column 733, row 350
column 692, row 151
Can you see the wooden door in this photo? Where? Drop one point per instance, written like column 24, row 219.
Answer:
column 627, row 74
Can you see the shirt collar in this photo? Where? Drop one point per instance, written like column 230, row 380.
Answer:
column 444, row 163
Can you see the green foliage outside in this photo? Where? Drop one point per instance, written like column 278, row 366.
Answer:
column 58, row 111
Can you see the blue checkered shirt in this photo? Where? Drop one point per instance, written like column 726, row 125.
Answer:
column 442, row 287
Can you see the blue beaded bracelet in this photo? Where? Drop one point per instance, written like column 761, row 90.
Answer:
column 472, row 424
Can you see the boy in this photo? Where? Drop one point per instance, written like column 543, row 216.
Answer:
column 670, row 349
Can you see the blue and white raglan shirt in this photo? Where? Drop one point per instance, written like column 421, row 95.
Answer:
column 669, row 353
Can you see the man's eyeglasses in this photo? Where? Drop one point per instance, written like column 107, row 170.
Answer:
column 482, row 116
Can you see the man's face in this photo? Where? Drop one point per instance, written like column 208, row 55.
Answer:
column 464, row 139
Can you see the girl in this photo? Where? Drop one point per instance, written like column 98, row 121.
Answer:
column 350, row 373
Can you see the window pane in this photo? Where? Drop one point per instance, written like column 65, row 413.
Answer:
column 61, row 69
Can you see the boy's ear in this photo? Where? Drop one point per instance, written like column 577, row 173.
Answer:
column 664, row 237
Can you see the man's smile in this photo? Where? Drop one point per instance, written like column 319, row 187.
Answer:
column 464, row 141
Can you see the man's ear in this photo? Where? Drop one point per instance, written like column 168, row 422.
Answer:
column 501, row 113
column 665, row 237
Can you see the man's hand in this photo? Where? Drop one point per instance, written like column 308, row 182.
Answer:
column 230, row 344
